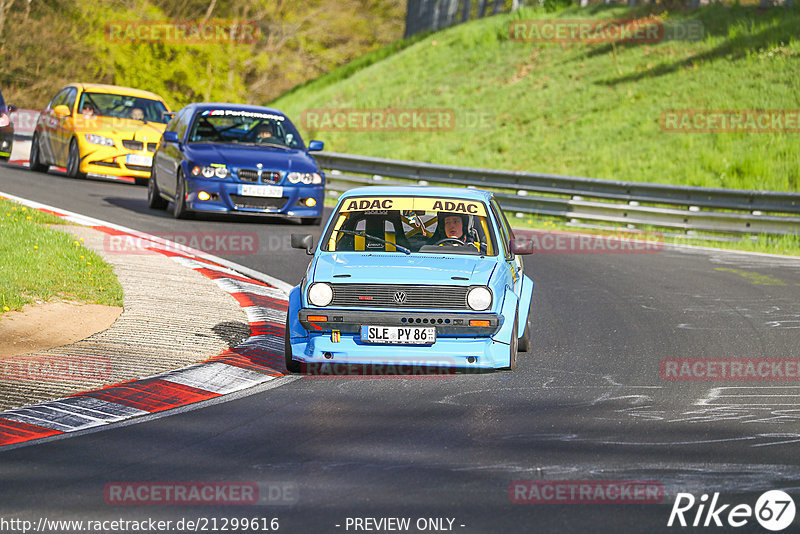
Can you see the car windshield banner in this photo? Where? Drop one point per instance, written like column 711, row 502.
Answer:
column 428, row 204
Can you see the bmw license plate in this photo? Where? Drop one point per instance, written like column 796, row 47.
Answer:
column 269, row 191
column 400, row 335
column 136, row 159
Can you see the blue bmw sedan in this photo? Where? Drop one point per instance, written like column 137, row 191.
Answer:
column 236, row 158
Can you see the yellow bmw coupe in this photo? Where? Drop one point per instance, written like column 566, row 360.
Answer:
column 94, row 129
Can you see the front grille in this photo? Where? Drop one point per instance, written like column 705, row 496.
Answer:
column 252, row 175
column 105, row 164
column 151, row 147
column 130, row 144
column 142, row 168
column 258, row 203
column 248, row 175
column 416, row 296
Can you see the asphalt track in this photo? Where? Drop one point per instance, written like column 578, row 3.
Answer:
column 587, row 403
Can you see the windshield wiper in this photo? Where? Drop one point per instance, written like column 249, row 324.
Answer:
column 368, row 236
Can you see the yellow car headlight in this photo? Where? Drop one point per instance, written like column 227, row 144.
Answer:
column 99, row 140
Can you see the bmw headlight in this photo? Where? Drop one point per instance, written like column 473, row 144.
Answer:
column 304, row 177
column 320, row 294
column 210, row 171
column 99, row 140
column 479, row 298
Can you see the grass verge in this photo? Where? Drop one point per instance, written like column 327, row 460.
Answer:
column 38, row 263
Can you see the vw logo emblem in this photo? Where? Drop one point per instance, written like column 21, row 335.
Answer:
column 400, row 297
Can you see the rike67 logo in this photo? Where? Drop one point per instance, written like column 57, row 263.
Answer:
column 774, row 510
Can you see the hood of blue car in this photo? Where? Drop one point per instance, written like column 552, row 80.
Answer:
column 398, row 268
column 278, row 159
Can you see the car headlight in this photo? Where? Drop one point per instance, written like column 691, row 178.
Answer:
column 320, row 294
column 208, row 171
column 99, row 140
column 5, row 120
column 479, row 298
column 305, row 177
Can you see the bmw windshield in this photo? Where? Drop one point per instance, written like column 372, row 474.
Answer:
column 246, row 127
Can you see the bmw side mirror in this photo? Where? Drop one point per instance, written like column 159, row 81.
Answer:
column 303, row 241
column 12, row 108
column 314, row 146
column 521, row 246
column 171, row 137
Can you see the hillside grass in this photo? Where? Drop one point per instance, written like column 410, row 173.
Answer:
column 583, row 109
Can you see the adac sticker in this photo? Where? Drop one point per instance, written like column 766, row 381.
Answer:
column 377, row 203
column 452, row 205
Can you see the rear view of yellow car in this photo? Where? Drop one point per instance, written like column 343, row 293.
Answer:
column 103, row 130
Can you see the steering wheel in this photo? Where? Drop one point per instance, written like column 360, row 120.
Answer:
column 450, row 241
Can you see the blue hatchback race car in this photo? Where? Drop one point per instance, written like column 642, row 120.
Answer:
column 235, row 158
column 411, row 276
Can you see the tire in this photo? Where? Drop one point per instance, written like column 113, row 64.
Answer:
column 179, row 210
column 154, row 200
column 513, row 347
column 525, row 340
column 74, row 161
column 311, row 221
column 292, row 366
column 35, row 157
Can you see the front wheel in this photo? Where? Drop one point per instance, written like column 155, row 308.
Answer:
column 36, row 156
column 179, row 210
column 74, row 161
column 291, row 365
column 154, row 200
column 525, row 340
column 513, row 347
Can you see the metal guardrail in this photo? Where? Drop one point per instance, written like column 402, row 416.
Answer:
column 587, row 199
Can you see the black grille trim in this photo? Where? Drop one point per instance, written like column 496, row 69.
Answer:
column 141, row 168
column 252, row 175
column 131, row 144
column 258, row 203
column 417, row 296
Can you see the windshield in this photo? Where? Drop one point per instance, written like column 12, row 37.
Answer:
column 418, row 224
column 244, row 127
column 122, row 106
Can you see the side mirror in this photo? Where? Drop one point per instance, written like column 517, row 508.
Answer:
column 168, row 114
column 303, row 241
column 12, row 108
column 61, row 110
column 521, row 246
column 314, row 146
column 171, row 137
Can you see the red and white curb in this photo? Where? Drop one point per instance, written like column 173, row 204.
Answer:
column 257, row 360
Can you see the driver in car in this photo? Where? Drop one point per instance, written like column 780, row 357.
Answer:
column 450, row 227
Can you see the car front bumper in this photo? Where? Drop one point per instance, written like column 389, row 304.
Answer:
column 338, row 340
column 226, row 197
column 112, row 161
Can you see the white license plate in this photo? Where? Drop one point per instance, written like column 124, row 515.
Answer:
column 270, row 191
column 136, row 159
column 401, row 335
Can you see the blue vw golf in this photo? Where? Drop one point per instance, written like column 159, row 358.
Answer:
column 411, row 276
column 235, row 158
